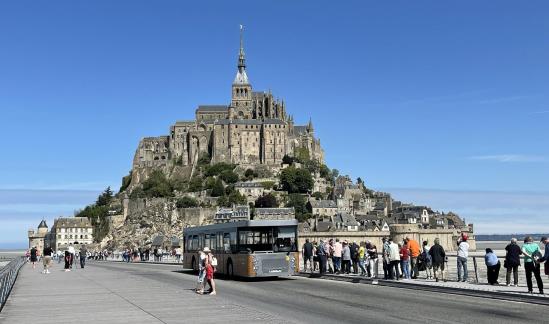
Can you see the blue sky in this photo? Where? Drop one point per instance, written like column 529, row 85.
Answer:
column 423, row 98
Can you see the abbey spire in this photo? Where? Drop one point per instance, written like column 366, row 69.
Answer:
column 241, row 99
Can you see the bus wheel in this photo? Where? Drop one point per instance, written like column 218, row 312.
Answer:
column 193, row 264
column 230, row 270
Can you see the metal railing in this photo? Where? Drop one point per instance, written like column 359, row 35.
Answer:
column 8, row 275
column 476, row 268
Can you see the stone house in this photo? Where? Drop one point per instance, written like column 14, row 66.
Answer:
column 250, row 190
column 323, row 207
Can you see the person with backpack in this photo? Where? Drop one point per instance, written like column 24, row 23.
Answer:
column 346, row 258
column 211, row 263
column 34, row 256
column 372, row 259
column 354, row 256
column 201, row 270
column 427, row 260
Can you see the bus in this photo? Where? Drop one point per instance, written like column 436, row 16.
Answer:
column 248, row 248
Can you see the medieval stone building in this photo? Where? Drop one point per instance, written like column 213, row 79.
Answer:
column 254, row 128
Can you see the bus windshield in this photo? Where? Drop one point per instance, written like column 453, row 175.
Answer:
column 276, row 239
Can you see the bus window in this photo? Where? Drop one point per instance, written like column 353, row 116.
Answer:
column 213, row 242
column 285, row 239
column 219, row 240
column 194, row 245
column 260, row 239
column 227, row 242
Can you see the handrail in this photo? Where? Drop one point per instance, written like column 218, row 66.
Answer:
column 8, row 275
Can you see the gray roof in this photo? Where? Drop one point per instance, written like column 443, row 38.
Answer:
column 43, row 224
column 72, row 222
column 323, row 226
column 248, row 185
column 346, row 219
column 264, row 211
column 185, row 122
column 274, row 121
column 323, row 204
column 300, row 129
column 212, row 108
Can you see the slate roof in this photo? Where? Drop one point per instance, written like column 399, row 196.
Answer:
column 248, row 185
column 300, row 129
column 323, row 204
column 212, row 108
column 346, row 219
column 270, row 211
column 72, row 222
column 274, row 121
column 184, row 122
column 43, row 224
column 324, row 226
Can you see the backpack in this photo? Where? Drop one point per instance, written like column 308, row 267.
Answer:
column 214, row 261
column 320, row 250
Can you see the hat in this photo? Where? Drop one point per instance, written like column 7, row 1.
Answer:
column 206, row 249
column 543, row 238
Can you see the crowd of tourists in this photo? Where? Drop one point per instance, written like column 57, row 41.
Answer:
column 408, row 259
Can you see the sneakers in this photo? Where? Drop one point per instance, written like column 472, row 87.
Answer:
column 48, row 271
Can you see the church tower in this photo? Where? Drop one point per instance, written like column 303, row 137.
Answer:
column 241, row 99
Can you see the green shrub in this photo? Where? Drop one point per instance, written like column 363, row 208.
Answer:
column 186, row 202
column 296, row 180
column 218, row 189
column 229, row 176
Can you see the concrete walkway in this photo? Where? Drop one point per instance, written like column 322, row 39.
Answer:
column 96, row 295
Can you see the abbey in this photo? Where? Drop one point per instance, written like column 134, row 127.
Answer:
column 254, row 128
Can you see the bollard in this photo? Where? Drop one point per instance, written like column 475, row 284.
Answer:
column 475, row 265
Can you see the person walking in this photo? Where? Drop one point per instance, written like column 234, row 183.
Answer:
column 492, row 266
column 34, row 256
column 415, row 251
column 307, row 251
column 531, row 266
column 329, row 255
column 68, row 261
column 405, row 260
column 83, row 255
column 178, row 254
column 462, row 255
column 545, row 258
column 438, row 257
column 72, row 251
column 338, row 249
column 372, row 260
column 346, row 257
column 512, row 262
column 46, row 258
column 394, row 260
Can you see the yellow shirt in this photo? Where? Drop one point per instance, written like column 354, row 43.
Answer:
column 361, row 252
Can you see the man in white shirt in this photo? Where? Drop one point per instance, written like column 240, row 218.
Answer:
column 394, row 260
column 72, row 251
column 462, row 255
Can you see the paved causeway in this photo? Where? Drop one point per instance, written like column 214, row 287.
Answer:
column 109, row 292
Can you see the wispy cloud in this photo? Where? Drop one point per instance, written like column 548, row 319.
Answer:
column 501, row 99
column 540, row 112
column 510, row 158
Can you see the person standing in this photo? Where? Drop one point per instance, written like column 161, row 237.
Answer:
column 438, row 257
column 492, row 266
column 202, row 255
column 427, row 259
column 321, row 253
column 211, row 263
column 346, row 257
column 415, row 251
column 83, row 255
column 462, row 255
column 385, row 255
column 530, row 251
column 329, row 255
column 362, row 257
column 545, row 258
column 354, row 256
column 33, row 256
column 46, row 259
column 372, row 260
column 405, row 260
column 178, row 253
column 394, row 260
column 512, row 261
column 338, row 249
column 307, row 251
column 68, row 261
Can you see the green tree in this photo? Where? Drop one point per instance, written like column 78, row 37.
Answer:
column 250, row 174
column 195, row 184
column 105, row 198
column 229, row 176
column 300, row 205
column 318, row 195
column 218, row 168
column 210, row 183
column 296, row 180
column 286, row 159
column 218, row 189
column 157, row 185
column 266, row 201
column 203, row 159
column 302, row 154
column 179, row 184
column 186, row 202
column 126, row 181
